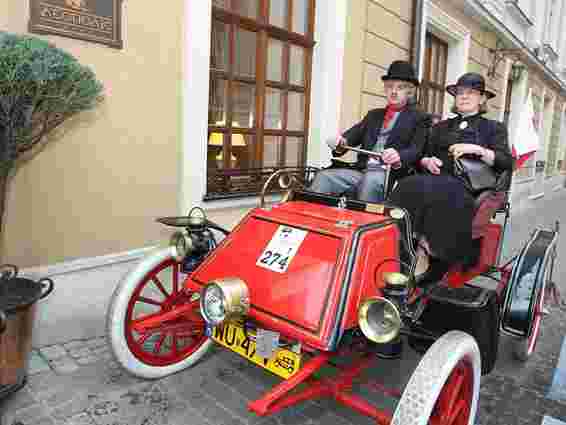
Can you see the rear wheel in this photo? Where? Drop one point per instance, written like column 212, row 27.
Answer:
column 525, row 347
column 147, row 293
column 444, row 388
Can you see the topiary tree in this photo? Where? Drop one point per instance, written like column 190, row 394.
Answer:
column 41, row 86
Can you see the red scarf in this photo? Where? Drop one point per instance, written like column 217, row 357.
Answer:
column 390, row 112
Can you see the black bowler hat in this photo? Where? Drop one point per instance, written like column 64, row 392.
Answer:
column 403, row 71
column 472, row 80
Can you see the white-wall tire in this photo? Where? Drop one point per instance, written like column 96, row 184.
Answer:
column 119, row 313
column 455, row 351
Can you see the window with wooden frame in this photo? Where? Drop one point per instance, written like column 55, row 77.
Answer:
column 433, row 86
column 260, row 78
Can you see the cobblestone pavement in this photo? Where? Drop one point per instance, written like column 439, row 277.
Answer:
column 78, row 383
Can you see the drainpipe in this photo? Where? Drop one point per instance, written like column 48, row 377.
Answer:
column 418, row 14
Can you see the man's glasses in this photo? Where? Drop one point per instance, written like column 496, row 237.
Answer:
column 397, row 86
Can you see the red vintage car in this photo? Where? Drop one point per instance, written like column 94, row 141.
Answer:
column 315, row 277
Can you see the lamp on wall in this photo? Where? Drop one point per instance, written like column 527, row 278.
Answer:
column 217, row 139
column 498, row 54
column 517, row 69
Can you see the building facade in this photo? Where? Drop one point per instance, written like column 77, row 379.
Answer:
column 212, row 96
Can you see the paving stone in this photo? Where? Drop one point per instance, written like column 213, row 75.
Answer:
column 75, row 407
column 27, row 415
column 19, row 400
column 90, row 359
column 53, row 352
column 96, row 343
column 64, row 366
column 37, row 364
column 80, row 419
column 80, row 352
column 98, row 351
column 75, row 345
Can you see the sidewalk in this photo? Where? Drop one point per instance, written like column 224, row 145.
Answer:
column 78, row 383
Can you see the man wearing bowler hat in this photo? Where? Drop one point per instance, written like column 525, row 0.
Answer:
column 396, row 130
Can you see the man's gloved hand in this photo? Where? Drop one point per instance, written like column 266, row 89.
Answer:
column 335, row 143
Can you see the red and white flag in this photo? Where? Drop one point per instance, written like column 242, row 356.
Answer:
column 526, row 138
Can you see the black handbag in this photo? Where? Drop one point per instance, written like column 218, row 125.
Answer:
column 476, row 174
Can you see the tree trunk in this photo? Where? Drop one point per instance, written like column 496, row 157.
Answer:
column 5, row 140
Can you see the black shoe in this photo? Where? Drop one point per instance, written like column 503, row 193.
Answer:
column 436, row 270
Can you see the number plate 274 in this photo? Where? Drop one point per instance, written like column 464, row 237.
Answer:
column 281, row 249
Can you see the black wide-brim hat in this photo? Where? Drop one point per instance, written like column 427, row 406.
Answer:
column 402, row 71
column 472, row 80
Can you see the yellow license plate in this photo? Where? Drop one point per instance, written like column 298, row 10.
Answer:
column 284, row 363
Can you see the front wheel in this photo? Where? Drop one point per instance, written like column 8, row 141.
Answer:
column 149, row 291
column 444, row 388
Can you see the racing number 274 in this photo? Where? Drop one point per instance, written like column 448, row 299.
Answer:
column 274, row 258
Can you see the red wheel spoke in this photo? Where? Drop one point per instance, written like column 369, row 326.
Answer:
column 159, row 343
column 148, row 301
column 454, row 401
column 456, row 413
column 174, row 343
column 176, row 317
column 455, row 393
column 160, row 286
column 144, row 338
column 175, row 278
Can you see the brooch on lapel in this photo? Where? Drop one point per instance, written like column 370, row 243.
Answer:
column 463, row 125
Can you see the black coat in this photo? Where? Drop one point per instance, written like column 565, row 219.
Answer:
column 440, row 206
column 487, row 133
column 407, row 137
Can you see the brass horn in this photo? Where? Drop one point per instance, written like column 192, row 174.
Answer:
column 379, row 320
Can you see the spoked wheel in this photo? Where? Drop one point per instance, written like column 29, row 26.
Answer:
column 444, row 388
column 525, row 347
column 153, row 326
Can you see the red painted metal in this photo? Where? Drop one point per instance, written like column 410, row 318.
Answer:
column 453, row 406
column 302, row 303
column 337, row 387
column 537, row 319
column 176, row 324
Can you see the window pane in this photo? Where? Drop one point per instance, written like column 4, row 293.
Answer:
column 271, row 151
column 275, row 60
column 219, row 56
column 300, row 14
column 241, row 7
column 243, row 101
column 297, row 66
column 296, row 112
column 242, row 151
column 273, row 109
column 242, row 148
column 244, row 65
column 278, row 13
column 214, row 153
column 217, row 102
column 294, row 151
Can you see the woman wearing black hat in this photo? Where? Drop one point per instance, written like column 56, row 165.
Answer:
column 440, row 205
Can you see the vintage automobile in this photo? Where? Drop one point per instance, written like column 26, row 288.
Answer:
column 315, row 278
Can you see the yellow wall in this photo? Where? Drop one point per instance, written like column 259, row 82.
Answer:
column 378, row 32
column 97, row 187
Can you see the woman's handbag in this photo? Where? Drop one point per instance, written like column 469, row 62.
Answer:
column 476, row 174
